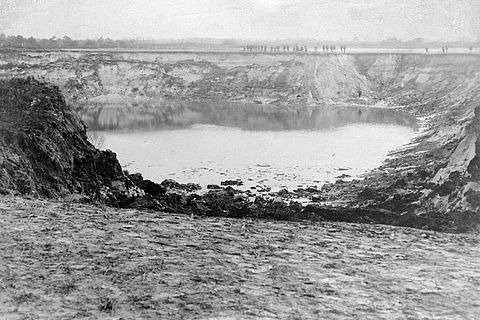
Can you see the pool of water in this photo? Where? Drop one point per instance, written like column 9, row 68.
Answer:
column 261, row 145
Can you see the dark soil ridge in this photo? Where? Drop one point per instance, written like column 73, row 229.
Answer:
column 44, row 148
column 433, row 184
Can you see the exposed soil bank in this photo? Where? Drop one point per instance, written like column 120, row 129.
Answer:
column 44, row 148
column 282, row 79
column 433, row 183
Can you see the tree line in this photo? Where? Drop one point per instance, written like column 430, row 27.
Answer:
column 68, row 43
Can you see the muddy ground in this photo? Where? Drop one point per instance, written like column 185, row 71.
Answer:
column 64, row 261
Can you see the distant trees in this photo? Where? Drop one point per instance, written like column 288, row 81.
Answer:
column 68, row 43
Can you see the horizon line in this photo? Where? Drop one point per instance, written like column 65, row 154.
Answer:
column 138, row 38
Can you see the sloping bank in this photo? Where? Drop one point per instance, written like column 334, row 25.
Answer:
column 433, row 183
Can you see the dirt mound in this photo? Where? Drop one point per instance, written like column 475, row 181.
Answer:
column 44, row 148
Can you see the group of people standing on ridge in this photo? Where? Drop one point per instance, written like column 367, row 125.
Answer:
column 286, row 48
column 444, row 50
column 304, row 48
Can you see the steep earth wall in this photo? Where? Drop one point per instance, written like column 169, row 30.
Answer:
column 280, row 79
column 285, row 79
column 439, row 171
column 44, row 148
column 436, row 177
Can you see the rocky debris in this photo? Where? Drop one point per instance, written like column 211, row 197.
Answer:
column 236, row 182
column 283, row 192
column 263, row 189
column 229, row 202
column 307, row 190
column 317, row 198
column 149, row 187
column 172, row 184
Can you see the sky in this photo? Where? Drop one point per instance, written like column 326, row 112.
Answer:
column 370, row 20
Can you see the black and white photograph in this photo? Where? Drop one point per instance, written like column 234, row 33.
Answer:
column 239, row 159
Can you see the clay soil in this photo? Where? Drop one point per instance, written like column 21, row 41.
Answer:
column 70, row 261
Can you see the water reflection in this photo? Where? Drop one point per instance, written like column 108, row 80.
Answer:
column 181, row 114
column 208, row 142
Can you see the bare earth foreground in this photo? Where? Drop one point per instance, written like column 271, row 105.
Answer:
column 70, row 261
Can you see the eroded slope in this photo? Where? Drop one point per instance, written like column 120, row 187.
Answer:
column 44, row 148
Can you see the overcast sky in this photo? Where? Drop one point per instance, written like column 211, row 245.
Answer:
column 243, row 19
